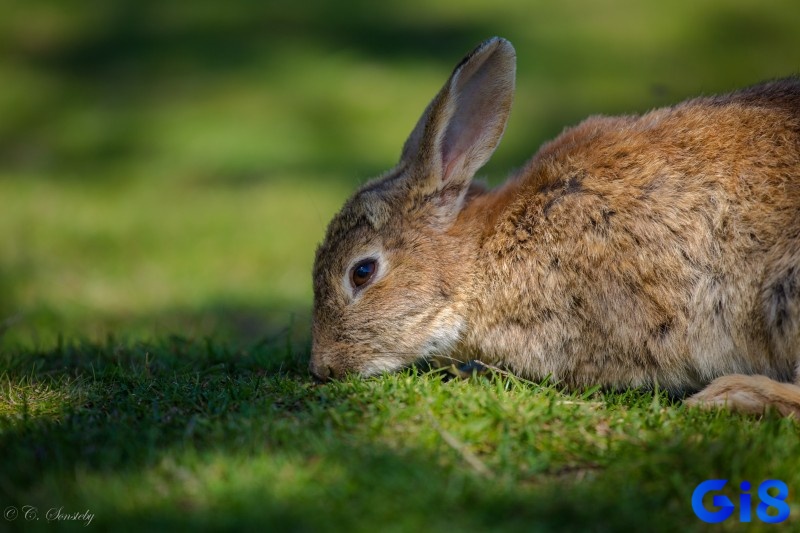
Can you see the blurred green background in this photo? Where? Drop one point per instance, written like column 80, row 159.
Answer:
column 169, row 167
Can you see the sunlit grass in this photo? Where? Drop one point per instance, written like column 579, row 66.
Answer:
column 139, row 251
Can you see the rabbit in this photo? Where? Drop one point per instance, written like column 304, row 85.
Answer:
column 631, row 251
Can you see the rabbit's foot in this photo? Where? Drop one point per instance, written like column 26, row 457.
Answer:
column 749, row 394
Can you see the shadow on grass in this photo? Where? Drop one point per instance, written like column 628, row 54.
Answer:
column 117, row 58
column 130, row 35
column 226, row 322
column 127, row 54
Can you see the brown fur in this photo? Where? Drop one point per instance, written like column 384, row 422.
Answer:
column 662, row 248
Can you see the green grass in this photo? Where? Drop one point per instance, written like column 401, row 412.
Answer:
column 184, row 433
column 165, row 175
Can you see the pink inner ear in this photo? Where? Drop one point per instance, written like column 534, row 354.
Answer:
column 449, row 166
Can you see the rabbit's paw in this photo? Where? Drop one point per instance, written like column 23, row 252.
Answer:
column 750, row 395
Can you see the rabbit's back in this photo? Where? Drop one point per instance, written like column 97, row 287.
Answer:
column 665, row 246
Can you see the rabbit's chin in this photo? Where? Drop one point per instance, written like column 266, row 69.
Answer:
column 448, row 327
column 373, row 368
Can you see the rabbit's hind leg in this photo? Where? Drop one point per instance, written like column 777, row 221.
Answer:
column 750, row 394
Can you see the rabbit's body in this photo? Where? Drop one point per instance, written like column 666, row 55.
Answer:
column 629, row 251
column 663, row 247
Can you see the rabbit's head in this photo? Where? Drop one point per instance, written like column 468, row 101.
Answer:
column 387, row 274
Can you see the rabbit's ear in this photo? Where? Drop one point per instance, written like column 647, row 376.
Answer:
column 462, row 126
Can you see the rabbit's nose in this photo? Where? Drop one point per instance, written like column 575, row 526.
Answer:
column 321, row 372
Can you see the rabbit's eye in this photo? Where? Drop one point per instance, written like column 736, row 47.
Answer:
column 362, row 272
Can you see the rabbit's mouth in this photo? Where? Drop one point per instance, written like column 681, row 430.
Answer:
column 380, row 364
column 441, row 338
